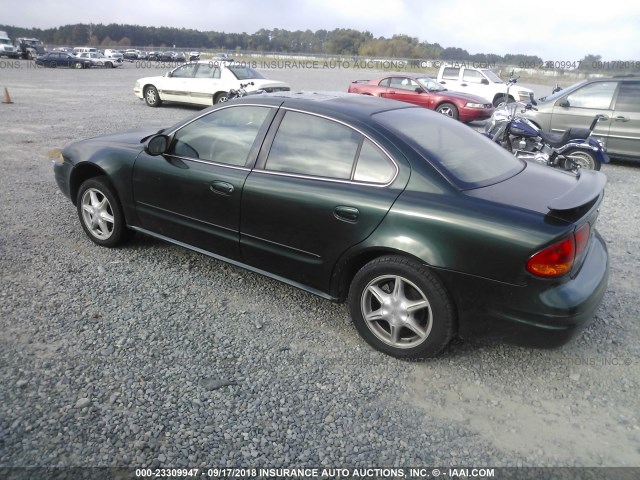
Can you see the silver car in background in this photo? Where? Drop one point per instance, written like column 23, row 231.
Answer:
column 616, row 98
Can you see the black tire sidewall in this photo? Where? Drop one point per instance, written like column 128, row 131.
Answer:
column 157, row 95
column 120, row 230
column 453, row 108
column 442, row 307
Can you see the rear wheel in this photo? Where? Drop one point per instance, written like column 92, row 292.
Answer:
column 581, row 159
column 448, row 109
column 400, row 308
column 152, row 97
column 221, row 98
column 78, row 65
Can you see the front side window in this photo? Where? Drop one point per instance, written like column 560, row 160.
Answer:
column 185, row 71
column 596, row 95
column 472, row 76
column 223, row 136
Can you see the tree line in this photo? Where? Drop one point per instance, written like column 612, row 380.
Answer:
column 340, row 41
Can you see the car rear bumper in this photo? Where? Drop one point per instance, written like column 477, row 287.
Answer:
column 542, row 314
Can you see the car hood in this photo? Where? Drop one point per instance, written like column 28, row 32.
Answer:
column 130, row 141
column 555, row 192
column 468, row 97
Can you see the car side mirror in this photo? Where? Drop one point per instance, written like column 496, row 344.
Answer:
column 532, row 99
column 484, row 81
column 168, row 74
column 419, row 90
column 157, row 145
column 565, row 103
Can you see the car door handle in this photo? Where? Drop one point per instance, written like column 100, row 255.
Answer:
column 346, row 214
column 604, row 117
column 221, row 188
column 463, row 85
column 622, row 119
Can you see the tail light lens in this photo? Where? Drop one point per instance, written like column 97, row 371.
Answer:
column 558, row 259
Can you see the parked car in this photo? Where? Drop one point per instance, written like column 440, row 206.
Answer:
column 616, row 98
column 99, row 60
column 111, row 53
column 171, row 56
column 61, row 59
column 131, row 54
column 426, row 228
column 194, row 56
column 202, row 83
column 482, row 82
column 426, row 92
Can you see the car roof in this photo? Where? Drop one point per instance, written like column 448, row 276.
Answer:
column 352, row 105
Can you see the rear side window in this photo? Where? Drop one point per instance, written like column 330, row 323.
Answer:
column 314, row 146
column 629, row 97
column 318, row 147
column 451, row 73
column 466, row 157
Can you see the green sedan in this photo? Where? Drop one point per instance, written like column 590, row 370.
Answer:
column 425, row 228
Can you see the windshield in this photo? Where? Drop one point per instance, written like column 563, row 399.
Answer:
column 430, row 84
column 243, row 72
column 492, row 76
column 466, row 157
column 564, row 91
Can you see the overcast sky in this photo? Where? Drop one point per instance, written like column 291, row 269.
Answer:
column 551, row 29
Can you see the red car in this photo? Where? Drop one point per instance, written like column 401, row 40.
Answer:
column 426, row 92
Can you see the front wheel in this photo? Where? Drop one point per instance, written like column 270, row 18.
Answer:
column 581, row 159
column 78, row 65
column 100, row 213
column 448, row 109
column 400, row 308
column 502, row 100
column 152, row 97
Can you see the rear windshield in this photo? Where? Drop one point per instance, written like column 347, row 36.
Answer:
column 243, row 72
column 466, row 157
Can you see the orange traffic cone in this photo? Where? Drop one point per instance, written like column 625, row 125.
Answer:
column 6, row 98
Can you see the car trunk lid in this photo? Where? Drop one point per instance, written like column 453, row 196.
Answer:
column 548, row 191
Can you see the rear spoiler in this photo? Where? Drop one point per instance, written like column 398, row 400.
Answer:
column 360, row 81
column 588, row 187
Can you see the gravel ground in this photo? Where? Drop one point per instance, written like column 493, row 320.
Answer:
column 151, row 355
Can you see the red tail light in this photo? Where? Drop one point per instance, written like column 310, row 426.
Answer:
column 556, row 260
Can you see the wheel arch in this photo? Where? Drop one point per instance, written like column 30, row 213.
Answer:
column 81, row 173
column 351, row 264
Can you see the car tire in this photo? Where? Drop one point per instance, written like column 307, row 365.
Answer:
column 581, row 159
column 221, row 97
column 152, row 97
column 108, row 65
column 449, row 110
column 78, row 65
column 100, row 213
column 400, row 308
column 503, row 100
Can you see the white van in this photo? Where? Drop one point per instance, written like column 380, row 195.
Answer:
column 85, row 50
